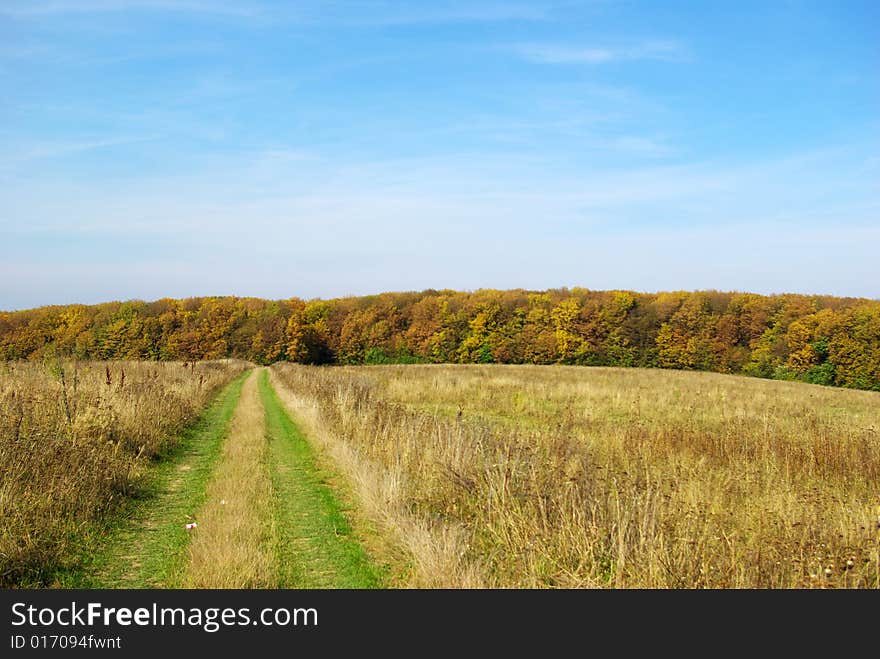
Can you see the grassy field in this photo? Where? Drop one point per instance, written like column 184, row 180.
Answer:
column 170, row 476
column 76, row 440
column 433, row 476
column 528, row 476
column 145, row 544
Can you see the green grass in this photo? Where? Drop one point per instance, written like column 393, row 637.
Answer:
column 315, row 547
column 146, row 546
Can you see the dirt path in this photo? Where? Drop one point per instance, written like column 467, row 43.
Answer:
column 266, row 515
column 147, row 548
column 316, row 547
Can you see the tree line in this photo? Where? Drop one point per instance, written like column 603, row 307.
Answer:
column 818, row 339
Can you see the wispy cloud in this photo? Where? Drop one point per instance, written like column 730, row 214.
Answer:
column 26, row 8
column 59, row 54
column 45, row 150
column 644, row 146
column 24, row 52
column 307, row 190
column 332, row 220
column 564, row 54
column 363, row 13
column 383, row 12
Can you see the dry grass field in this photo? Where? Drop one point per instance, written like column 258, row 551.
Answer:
column 459, row 476
column 74, row 441
column 531, row 476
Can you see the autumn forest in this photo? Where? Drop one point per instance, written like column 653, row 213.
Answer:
column 818, row 339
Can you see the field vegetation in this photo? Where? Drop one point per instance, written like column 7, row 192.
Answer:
column 433, row 476
column 76, row 439
column 530, row 476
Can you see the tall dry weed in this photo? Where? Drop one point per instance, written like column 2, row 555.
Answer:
column 576, row 477
column 74, row 439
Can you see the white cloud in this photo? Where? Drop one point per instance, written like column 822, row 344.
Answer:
column 364, row 13
column 564, row 54
column 407, row 13
column 58, row 149
column 648, row 147
column 297, row 197
column 27, row 8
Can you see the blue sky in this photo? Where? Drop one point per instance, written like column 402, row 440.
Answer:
column 159, row 148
